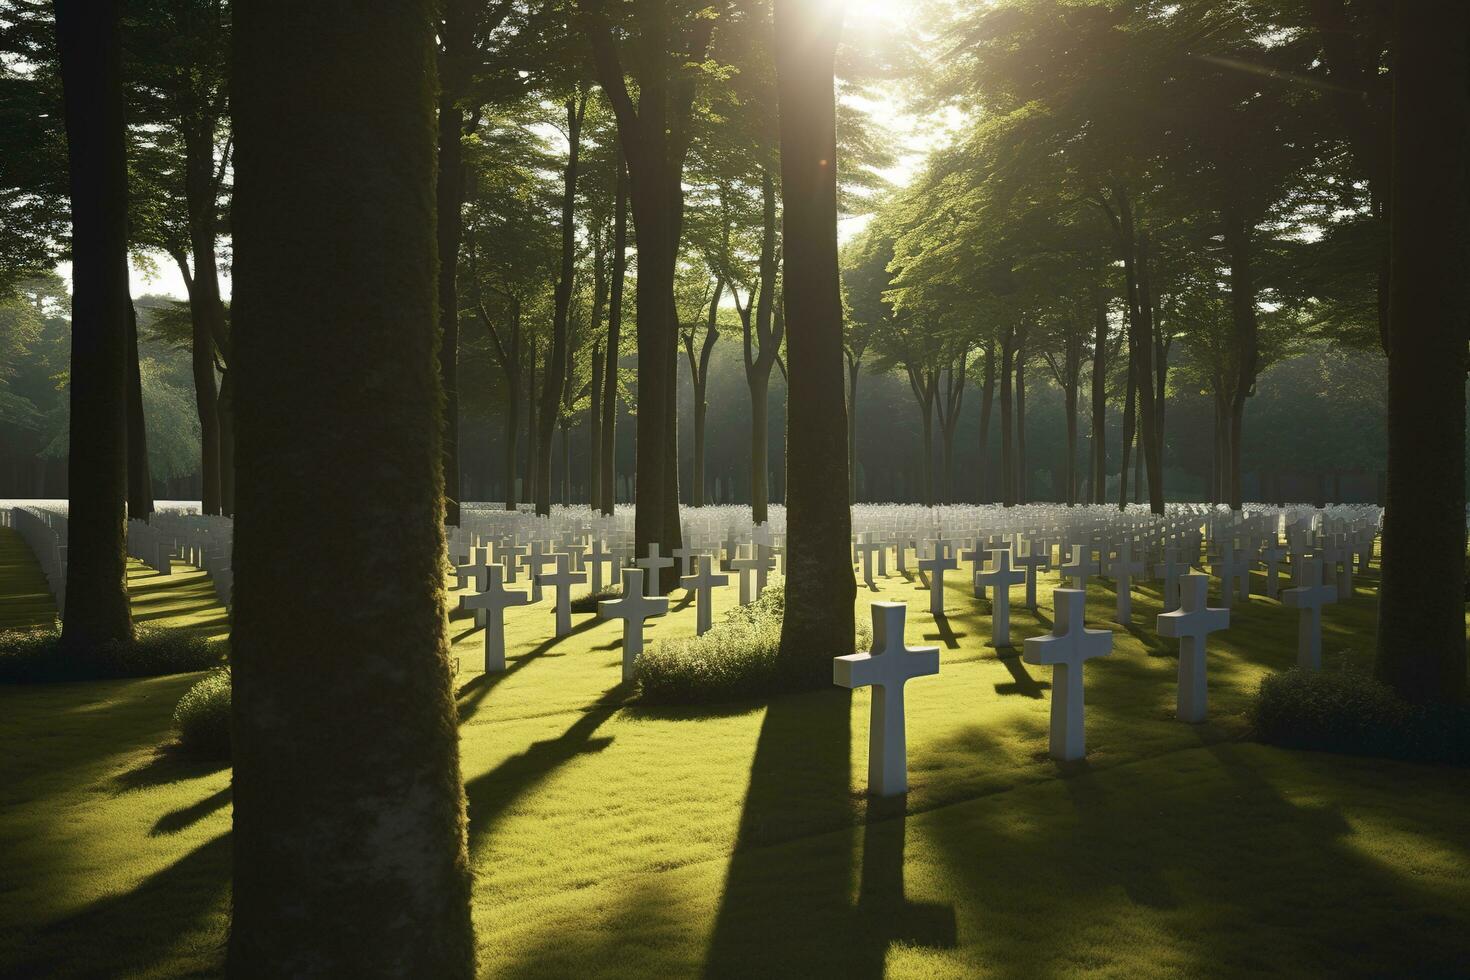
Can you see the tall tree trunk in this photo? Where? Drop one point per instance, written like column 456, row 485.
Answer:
column 1069, row 408
column 609, row 493
column 456, row 59
column 140, row 481
column 1130, row 407
column 1007, row 449
column 699, row 378
column 1100, row 401
column 358, row 816
column 758, row 365
column 760, row 437
column 512, row 435
column 1421, row 625
column 1021, row 421
column 556, row 358
column 1238, row 232
column 987, row 399
column 854, row 366
column 594, row 430
column 227, row 443
column 97, row 459
column 532, row 450
column 820, row 588
column 206, row 307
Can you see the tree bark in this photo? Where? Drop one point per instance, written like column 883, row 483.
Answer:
column 609, row 491
column 1130, row 408
column 854, row 367
column 987, row 399
column 97, row 461
column 357, row 816
column 557, row 356
column 1238, row 233
column 758, row 363
column 1100, row 402
column 699, row 377
column 820, row 587
column 206, row 307
column 140, row 480
column 1021, row 419
column 1421, row 625
column 1007, row 449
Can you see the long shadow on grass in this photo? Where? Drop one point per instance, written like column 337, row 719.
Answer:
column 472, row 693
column 786, row 908
column 491, row 794
column 131, row 932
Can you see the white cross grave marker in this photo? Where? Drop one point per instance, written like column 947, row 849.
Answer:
column 493, row 602
column 652, row 566
column 563, row 579
column 1000, row 577
column 1309, row 596
column 936, row 567
column 1191, row 625
column 886, row 669
column 633, row 608
column 702, row 583
column 1066, row 650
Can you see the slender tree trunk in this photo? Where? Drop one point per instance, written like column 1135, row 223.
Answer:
column 820, row 588
column 1421, row 625
column 227, row 443
column 594, row 431
column 1007, row 450
column 1100, row 402
column 760, row 436
column 512, row 434
column 1069, row 408
column 1130, row 407
column 1021, row 423
column 140, row 481
column 97, row 460
column 1243, row 319
column 358, row 816
column 532, row 450
column 987, row 399
column 207, row 311
column 557, row 356
column 854, row 366
column 609, row 491
column 458, row 41
column 926, row 409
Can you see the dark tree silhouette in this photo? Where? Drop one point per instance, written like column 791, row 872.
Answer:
column 91, row 77
column 1421, row 616
column 349, row 819
column 820, row 588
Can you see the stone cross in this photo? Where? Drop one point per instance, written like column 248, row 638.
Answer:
column 1309, row 596
column 686, row 555
column 1079, row 567
column 976, row 557
column 1001, row 577
column 633, row 608
column 493, row 602
column 1229, row 569
column 763, row 569
column 653, row 565
column 1033, row 559
column 1066, row 650
column 867, row 549
column 886, row 669
column 1270, row 557
column 936, row 567
column 702, row 583
column 1122, row 569
column 1169, row 570
column 563, row 579
column 533, row 562
column 742, row 565
column 1191, row 625
column 596, row 558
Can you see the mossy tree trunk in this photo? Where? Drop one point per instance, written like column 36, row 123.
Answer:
column 1421, row 614
column 97, row 458
column 820, row 587
column 349, row 813
column 140, row 480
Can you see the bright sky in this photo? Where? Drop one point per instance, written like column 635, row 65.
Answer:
column 157, row 273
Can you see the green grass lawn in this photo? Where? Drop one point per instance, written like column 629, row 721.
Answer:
column 614, row 840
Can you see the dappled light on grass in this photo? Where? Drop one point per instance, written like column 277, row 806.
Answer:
column 618, row 839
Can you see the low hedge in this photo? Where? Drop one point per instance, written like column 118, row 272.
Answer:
column 37, row 657
column 1350, row 712
column 202, row 717
column 736, row 660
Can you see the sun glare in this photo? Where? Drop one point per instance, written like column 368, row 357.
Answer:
column 879, row 12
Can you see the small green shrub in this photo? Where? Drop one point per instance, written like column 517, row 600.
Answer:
column 587, row 602
column 736, row 660
column 36, row 656
column 1350, row 712
column 202, row 718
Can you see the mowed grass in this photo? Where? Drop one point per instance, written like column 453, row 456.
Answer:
column 614, row 840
